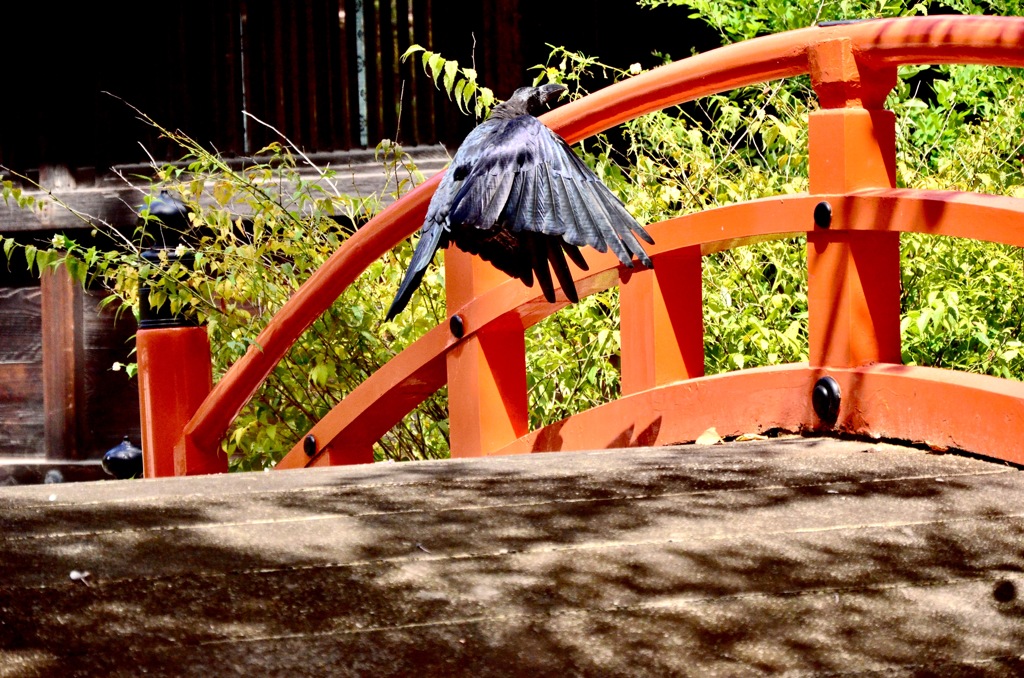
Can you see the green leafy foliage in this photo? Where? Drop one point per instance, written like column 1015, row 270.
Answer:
column 572, row 359
column 738, row 20
column 255, row 233
column 962, row 128
column 959, row 128
column 723, row 149
column 963, row 304
column 458, row 82
column 755, row 306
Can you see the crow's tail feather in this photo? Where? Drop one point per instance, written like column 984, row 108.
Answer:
column 428, row 245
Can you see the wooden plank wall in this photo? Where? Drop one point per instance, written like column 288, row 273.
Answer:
column 195, row 66
column 110, row 403
column 70, row 404
column 21, row 373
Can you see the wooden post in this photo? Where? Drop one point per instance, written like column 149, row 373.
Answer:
column 853, row 294
column 63, row 363
column 662, row 323
column 487, row 401
column 63, row 345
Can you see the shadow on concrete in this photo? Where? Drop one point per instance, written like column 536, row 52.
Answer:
column 817, row 556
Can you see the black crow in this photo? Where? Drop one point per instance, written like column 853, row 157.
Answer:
column 516, row 195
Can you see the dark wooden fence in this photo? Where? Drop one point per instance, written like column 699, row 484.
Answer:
column 326, row 73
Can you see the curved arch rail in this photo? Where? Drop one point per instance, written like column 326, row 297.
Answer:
column 853, row 317
column 362, row 418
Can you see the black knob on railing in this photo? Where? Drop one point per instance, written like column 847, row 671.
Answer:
column 123, row 461
column 457, row 326
column 826, row 398
column 823, row 214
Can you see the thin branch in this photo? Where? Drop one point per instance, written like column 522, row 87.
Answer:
column 314, row 166
column 78, row 214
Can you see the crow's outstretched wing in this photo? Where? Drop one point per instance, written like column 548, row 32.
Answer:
column 526, row 179
column 516, row 195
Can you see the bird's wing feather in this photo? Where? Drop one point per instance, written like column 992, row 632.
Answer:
column 539, row 260
column 552, row 191
column 556, row 256
column 479, row 170
column 435, row 232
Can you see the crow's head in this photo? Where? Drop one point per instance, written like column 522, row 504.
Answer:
column 528, row 101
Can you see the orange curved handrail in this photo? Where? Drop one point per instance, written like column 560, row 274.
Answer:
column 417, row 372
column 997, row 41
column 883, row 43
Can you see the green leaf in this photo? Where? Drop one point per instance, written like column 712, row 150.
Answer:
column 451, row 69
column 436, row 63
column 30, row 255
column 320, row 374
column 485, row 98
column 460, row 98
column 76, row 269
column 413, row 49
column 43, row 259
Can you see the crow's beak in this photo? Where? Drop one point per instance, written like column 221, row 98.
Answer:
column 549, row 93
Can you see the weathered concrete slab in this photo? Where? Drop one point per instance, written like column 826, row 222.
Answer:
column 806, row 557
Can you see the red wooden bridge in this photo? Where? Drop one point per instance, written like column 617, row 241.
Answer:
column 673, row 560
column 851, row 218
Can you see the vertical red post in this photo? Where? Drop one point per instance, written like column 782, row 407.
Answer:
column 175, row 376
column 487, row 400
column 661, row 322
column 853, row 293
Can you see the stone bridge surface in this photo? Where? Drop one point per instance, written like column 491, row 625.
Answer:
column 796, row 556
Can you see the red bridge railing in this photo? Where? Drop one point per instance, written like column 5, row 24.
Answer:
column 852, row 218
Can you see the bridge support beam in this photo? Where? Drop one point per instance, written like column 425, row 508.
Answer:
column 662, row 322
column 853, row 294
column 487, row 400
